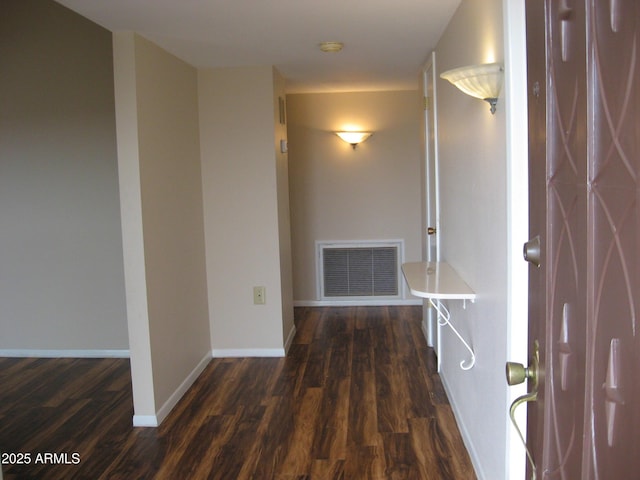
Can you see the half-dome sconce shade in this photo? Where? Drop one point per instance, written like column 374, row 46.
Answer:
column 354, row 138
column 480, row 81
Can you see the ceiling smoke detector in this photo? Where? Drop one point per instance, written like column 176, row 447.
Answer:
column 331, row 47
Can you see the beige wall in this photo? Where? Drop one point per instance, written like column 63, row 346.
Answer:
column 338, row 193
column 284, row 212
column 243, row 216
column 472, row 154
column 162, row 222
column 479, row 222
column 61, row 274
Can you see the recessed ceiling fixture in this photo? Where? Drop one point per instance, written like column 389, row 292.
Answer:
column 331, row 47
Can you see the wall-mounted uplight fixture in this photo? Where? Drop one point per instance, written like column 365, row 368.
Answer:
column 354, row 138
column 331, row 47
column 480, row 81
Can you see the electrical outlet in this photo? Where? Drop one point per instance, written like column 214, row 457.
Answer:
column 259, row 296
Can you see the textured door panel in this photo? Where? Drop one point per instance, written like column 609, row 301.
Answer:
column 584, row 300
column 613, row 349
column 566, row 240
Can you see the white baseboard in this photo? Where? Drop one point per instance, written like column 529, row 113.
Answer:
column 174, row 398
column 425, row 332
column 182, row 389
column 29, row 353
column 355, row 303
column 287, row 343
column 255, row 352
column 145, row 421
column 247, row 352
column 466, row 438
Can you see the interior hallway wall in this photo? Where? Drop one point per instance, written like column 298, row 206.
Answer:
column 162, row 223
column 284, row 206
column 338, row 193
column 245, row 205
column 474, row 234
column 61, row 279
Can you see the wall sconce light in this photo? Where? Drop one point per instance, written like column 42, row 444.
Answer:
column 479, row 81
column 354, row 138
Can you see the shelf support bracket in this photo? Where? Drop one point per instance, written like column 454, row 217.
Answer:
column 444, row 318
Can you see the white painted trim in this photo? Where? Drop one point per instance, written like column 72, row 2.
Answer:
column 289, row 341
column 145, row 421
column 172, row 401
column 182, row 389
column 355, row 303
column 430, row 67
column 466, row 438
column 247, row 352
column 425, row 332
column 28, row 353
column 256, row 352
column 515, row 86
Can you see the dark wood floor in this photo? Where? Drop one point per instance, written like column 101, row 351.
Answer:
column 356, row 398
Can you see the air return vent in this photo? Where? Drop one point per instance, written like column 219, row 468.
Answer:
column 359, row 270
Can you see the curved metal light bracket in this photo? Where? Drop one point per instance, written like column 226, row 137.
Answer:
column 493, row 102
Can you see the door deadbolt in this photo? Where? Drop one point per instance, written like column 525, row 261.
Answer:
column 532, row 251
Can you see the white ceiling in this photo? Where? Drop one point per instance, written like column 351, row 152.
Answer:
column 386, row 41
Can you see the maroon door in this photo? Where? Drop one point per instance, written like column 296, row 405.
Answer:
column 584, row 103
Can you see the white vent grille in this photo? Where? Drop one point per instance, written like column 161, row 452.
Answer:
column 360, row 270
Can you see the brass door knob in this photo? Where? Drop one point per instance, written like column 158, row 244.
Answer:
column 516, row 373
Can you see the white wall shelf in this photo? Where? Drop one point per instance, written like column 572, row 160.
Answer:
column 437, row 281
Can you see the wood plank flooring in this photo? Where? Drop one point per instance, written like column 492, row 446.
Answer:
column 356, row 398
